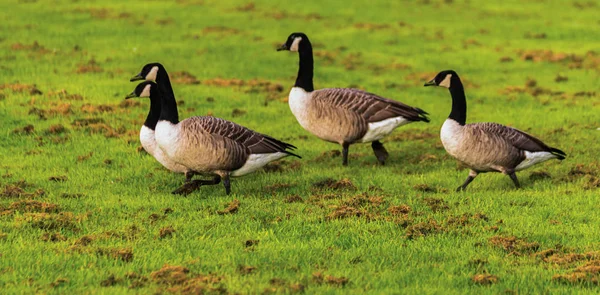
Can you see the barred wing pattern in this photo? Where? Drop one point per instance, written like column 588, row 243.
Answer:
column 370, row 106
column 257, row 143
column 520, row 139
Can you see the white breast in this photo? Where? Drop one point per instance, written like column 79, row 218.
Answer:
column 379, row 130
column 451, row 136
column 256, row 161
column 147, row 137
column 299, row 100
column 532, row 158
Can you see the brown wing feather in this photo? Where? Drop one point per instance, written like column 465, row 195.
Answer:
column 370, row 106
column 517, row 138
column 255, row 142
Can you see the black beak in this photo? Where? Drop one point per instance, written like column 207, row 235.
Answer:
column 430, row 83
column 282, row 47
column 130, row 95
column 137, row 77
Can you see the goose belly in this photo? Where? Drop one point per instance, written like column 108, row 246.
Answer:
column 299, row 105
column 257, row 161
column 147, row 137
column 381, row 129
column 532, row 158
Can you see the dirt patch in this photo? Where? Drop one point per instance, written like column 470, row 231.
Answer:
column 251, row 243
column 49, row 221
column 111, row 281
column 33, row 206
column 90, row 67
column 183, row 77
column 530, row 35
column 56, row 129
column 166, row 232
column 30, row 89
column 484, row 279
column 124, row 254
column 34, row 47
column 399, row 210
column 539, row 175
column 436, row 205
column 59, row 282
column 129, row 103
column 246, row 269
column 94, row 109
column 293, row 199
column 588, row 274
column 371, row 27
column 53, row 237
column 220, row 30
column 17, row 190
column 86, row 122
column 320, row 278
column 246, row 7
column 422, row 229
column 82, row 158
column 238, row 112
column 328, row 155
column 277, row 187
column 271, row 89
column 340, row 212
column 513, row 245
column 27, row 129
column 231, row 208
column 178, row 280
column 72, row 196
column 506, row 59
column 64, row 95
column 330, row 183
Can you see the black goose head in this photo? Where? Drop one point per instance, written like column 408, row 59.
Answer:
column 148, row 72
column 444, row 79
column 143, row 89
column 296, row 42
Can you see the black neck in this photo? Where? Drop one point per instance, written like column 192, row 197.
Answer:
column 168, row 104
column 153, row 114
column 305, row 72
column 459, row 101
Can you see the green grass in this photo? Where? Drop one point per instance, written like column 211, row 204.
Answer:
column 108, row 213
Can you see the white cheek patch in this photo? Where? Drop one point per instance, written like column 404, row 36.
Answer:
column 146, row 92
column 152, row 74
column 295, row 44
column 446, row 82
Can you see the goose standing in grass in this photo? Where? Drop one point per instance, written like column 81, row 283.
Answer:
column 487, row 147
column 209, row 145
column 343, row 115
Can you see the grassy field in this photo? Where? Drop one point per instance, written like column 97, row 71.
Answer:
column 83, row 210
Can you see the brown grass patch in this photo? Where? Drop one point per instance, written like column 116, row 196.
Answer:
column 183, row 77
column 63, row 94
column 422, row 229
column 220, row 30
column 320, row 278
column 30, row 89
column 513, row 245
column 49, row 221
column 435, row 204
column 166, row 232
column 111, row 281
column 17, row 190
column 327, row 155
column 27, row 129
column 330, row 183
column 484, row 279
column 344, row 211
column 589, row 274
column 124, row 254
column 56, row 129
column 90, row 67
column 371, row 27
column 246, row 269
column 53, row 237
column 93, row 109
column 33, row 206
column 399, row 210
column 177, row 279
column 128, row 103
column 231, row 208
column 293, row 199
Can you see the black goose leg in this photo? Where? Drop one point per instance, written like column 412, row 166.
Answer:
column 190, row 186
column 345, row 146
column 227, row 184
column 188, row 176
column 513, row 176
column 472, row 175
column 379, row 151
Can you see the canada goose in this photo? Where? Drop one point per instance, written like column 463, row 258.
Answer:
column 487, row 147
column 343, row 115
column 209, row 145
